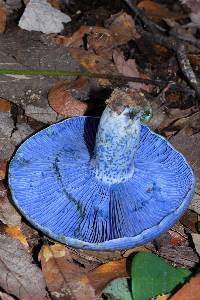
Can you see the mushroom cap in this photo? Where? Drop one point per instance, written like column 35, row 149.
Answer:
column 52, row 186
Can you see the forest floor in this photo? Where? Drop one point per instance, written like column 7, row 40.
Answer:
column 144, row 46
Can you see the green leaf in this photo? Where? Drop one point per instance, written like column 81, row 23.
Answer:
column 152, row 276
column 119, row 289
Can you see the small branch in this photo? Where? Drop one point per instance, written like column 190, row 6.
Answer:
column 145, row 20
column 172, row 43
column 179, row 48
column 187, row 68
column 185, row 38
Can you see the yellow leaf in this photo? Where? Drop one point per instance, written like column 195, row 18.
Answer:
column 163, row 297
column 57, row 250
column 16, row 233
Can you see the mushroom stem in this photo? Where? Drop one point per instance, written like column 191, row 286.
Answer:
column 117, row 141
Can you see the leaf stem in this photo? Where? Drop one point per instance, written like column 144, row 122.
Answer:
column 55, row 73
column 113, row 77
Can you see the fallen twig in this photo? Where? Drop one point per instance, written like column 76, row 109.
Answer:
column 153, row 27
column 179, row 48
column 172, row 43
column 187, row 68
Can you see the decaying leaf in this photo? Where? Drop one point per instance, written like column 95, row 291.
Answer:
column 194, row 6
column 157, row 11
column 189, row 220
column 93, row 62
column 189, row 146
column 32, row 235
column 162, row 297
column 129, row 68
column 120, row 28
column 64, row 278
column 55, row 3
column 101, row 41
column 3, row 14
column 181, row 253
column 176, row 239
column 76, row 39
column 5, row 105
column 176, row 118
column 64, row 97
column 8, row 213
column 190, row 290
column 4, row 296
column 3, row 168
column 16, row 233
column 93, row 259
column 42, row 114
column 103, row 274
column 18, row 275
column 123, row 28
column 6, row 129
column 21, row 133
column 193, row 124
column 196, row 241
column 134, row 250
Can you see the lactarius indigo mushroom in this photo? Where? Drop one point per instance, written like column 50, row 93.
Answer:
column 103, row 184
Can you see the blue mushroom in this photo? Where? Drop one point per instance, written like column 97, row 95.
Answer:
column 107, row 184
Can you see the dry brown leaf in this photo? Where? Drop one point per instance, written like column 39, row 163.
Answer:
column 196, row 241
column 3, row 190
column 101, row 41
column 120, row 29
column 32, row 235
column 189, row 220
column 129, row 68
column 92, row 259
column 190, row 290
column 8, row 213
column 3, row 14
column 189, row 146
column 93, row 62
column 16, row 233
column 176, row 238
column 4, row 296
column 182, row 254
column 64, row 278
column 55, row 3
column 63, row 97
column 194, row 59
column 177, row 116
column 157, row 11
column 3, row 169
column 76, row 39
column 180, row 229
column 5, row 105
column 123, row 28
column 134, row 250
column 18, row 275
column 103, row 274
column 194, row 6
column 193, row 124
column 162, row 297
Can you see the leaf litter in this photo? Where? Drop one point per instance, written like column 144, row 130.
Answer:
column 35, row 267
column 19, row 276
